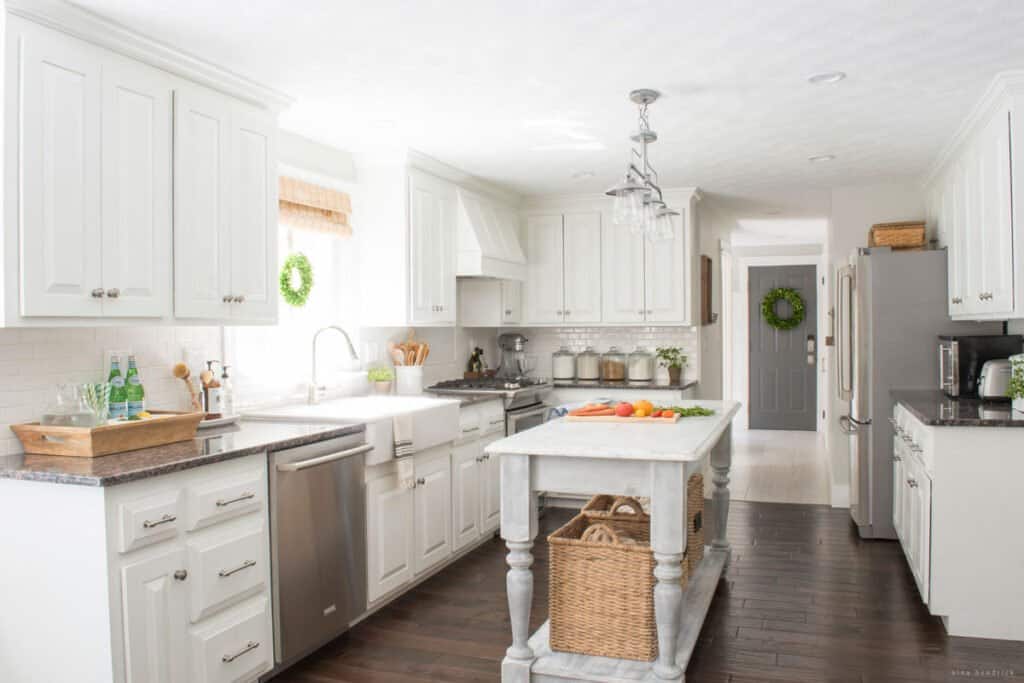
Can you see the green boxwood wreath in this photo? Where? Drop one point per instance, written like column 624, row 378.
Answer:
column 296, row 263
column 791, row 297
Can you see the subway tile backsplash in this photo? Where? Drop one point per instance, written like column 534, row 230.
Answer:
column 544, row 341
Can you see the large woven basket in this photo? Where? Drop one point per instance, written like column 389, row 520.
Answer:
column 902, row 235
column 604, row 504
column 601, row 592
column 694, row 521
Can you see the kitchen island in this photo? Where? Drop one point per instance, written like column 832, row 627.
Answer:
column 653, row 460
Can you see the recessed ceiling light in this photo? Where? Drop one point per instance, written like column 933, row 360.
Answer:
column 826, row 77
column 582, row 175
column 821, row 157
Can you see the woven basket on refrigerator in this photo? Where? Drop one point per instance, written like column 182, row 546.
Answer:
column 694, row 521
column 601, row 587
column 901, row 235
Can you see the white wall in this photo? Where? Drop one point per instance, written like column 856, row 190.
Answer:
column 854, row 210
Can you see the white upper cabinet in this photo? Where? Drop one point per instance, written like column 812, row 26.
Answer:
column 974, row 204
column 623, row 275
column 225, row 209
column 202, row 276
column 136, row 186
column 100, row 147
column 544, row 303
column 53, row 169
column 431, row 249
column 665, row 290
column 582, row 270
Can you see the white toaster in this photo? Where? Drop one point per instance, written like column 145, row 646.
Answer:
column 994, row 380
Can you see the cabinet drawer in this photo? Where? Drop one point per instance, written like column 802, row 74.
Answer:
column 492, row 418
column 213, row 502
column 469, row 423
column 224, row 571
column 149, row 520
column 233, row 649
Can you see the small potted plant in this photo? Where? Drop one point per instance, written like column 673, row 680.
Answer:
column 1017, row 382
column 382, row 378
column 673, row 358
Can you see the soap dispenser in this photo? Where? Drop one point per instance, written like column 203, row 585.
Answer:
column 227, row 392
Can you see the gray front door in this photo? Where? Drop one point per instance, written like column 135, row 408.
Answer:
column 783, row 370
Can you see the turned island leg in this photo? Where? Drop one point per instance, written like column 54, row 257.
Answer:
column 668, row 540
column 518, row 529
column 721, row 461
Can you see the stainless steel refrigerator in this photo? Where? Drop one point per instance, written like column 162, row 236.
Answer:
column 890, row 308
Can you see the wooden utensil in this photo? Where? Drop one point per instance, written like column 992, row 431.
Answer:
column 182, row 372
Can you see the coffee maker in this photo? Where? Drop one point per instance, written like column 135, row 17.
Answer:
column 513, row 356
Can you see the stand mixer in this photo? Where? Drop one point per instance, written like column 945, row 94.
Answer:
column 513, row 356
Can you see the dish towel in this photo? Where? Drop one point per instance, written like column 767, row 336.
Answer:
column 402, row 431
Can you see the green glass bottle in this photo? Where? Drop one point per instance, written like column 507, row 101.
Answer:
column 118, row 397
column 135, row 394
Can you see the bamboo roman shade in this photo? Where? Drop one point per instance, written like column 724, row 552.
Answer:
column 312, row 207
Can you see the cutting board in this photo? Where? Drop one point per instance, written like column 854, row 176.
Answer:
column 627, row 420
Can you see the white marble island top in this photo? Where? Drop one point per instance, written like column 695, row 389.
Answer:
column 687, row 440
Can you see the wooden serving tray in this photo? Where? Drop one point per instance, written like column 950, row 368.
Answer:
column 616, row 418
column 93, row 442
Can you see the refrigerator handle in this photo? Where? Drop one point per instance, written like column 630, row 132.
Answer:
column 844, row 333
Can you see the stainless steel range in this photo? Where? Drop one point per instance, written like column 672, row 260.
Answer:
column 523, row 397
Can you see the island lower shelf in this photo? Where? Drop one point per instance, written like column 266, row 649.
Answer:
column 550, row 666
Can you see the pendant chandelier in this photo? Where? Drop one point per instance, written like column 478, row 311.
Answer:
column 638, row 202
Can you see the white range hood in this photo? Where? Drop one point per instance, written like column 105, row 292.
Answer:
column 488, row 239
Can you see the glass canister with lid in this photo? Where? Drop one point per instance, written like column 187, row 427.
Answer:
column 613, row 365
column 641, row 365
column 588, row 364
column 563, row 364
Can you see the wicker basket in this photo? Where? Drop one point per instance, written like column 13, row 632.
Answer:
column 694, row 521
column 601, row 588
column 904, row 235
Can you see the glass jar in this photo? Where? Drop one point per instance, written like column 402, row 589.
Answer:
column 563, row 364
column 588, row 365
column 641, row 365
column 613, row 365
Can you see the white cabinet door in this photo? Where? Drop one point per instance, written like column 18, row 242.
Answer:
column 253, row 221
column 155, row 621
column 924, row 555
column 202, row 212
column 544, row 303
column 490, row 488
column 431, row 249
column 665, row 277
column 465, row 494
column 389, row 536
column 58, row 174
column 622, row 275
column 433, row 510
column 136, row 185
column 950, row 203
column 582, row 279
column 511, row 302
column 993, row 227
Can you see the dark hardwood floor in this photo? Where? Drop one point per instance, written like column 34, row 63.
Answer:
column 803, row 600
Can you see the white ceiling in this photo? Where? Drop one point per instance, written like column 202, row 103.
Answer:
column 530, row 93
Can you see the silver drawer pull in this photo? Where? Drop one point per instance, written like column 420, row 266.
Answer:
column 224, row 573
column 896, row 458
column 246, row 495
column 467, row 430
column 915, row 448
column 912, row 483
column 497, row 422
column 249, row 647
column 166, row 519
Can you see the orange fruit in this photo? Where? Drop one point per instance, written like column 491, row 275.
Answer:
column 645, row 406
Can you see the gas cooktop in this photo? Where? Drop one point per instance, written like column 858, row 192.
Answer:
column 501, row 384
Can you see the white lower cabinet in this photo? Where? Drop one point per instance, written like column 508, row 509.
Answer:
column 389, row 534
column 466, row 492
column 234, row 648
column 490, row 487
column 155, row 620
column 432, row 501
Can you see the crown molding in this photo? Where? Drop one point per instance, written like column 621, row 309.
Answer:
column 85, row 25
column 1004, row 84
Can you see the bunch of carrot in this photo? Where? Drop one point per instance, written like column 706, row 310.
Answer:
column 593, row 410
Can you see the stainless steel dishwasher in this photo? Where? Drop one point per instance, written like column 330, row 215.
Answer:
column 318, row 542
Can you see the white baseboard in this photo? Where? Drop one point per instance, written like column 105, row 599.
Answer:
column 840, row 496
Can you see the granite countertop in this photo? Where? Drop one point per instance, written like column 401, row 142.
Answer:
column 603, row 384
column 210, row 446
column 685, row 440
column 934, row 408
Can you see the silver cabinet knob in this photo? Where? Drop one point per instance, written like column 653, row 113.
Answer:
column 957, row 300
column 566, row 312
column 640, row 312
column 896, row 458
column 97, row 293
column 648, row 311
column 227, row 298
column 240, row 299
column 421, row 482
column 508, row 311
column 181, row 575
column 912, row 483
column 113, row 293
